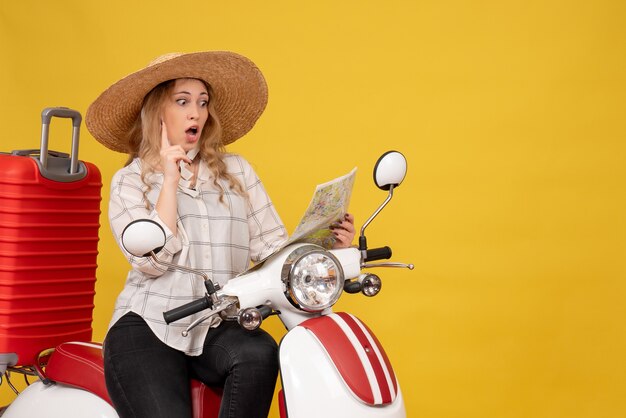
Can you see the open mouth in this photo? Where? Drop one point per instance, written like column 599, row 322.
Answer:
column 192, row 134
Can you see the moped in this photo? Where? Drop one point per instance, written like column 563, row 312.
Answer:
column 331, row 364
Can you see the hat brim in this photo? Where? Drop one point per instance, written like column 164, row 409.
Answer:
column 238, row 85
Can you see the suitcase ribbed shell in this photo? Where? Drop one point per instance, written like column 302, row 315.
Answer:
column 48, row 254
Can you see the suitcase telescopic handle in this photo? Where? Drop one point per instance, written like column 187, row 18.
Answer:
column 60, row 112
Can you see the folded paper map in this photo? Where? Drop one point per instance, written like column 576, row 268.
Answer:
column 329, row 204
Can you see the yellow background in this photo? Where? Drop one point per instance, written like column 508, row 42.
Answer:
column 511, row 115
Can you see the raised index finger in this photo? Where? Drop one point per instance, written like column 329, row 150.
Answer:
column 165, row 142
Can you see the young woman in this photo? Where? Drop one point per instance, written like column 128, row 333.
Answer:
column 174, row 118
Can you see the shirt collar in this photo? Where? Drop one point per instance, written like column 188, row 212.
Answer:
column 186, row 174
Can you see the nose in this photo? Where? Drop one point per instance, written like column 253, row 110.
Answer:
column 193, row 113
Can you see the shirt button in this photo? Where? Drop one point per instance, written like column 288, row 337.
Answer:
column 205, row 226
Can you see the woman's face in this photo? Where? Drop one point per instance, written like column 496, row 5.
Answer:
column 185, row 112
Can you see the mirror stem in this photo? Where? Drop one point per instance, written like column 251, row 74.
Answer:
column 362, row 239
column 177, row 267
column 208, row 282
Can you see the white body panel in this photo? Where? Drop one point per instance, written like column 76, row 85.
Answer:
column 350, row 259
column 259, row 287
column 313, row 387
column 58, row 401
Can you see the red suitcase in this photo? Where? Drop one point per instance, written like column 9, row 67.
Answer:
column 49, row 222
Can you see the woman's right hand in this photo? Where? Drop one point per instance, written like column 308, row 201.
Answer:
column 171, row 155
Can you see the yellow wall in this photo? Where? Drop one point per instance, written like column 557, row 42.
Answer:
column 511, row 115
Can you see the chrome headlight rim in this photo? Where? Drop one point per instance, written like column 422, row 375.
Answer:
column 292, row 261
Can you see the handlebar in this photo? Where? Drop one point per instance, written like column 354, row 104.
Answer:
column 187, row 309
column 382, row 253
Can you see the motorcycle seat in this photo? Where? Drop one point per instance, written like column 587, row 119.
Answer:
column 80, row 364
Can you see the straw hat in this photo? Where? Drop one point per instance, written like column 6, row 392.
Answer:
column 239, row 87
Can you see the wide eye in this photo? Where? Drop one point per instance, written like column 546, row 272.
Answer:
column 204, row 103
column 181, row 102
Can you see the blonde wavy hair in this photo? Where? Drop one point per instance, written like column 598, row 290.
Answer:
column 144, row 140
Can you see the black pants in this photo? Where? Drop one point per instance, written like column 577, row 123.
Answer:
column 146, row 378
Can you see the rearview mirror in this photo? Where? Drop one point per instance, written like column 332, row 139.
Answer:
column 142, row 237
column 389, row 170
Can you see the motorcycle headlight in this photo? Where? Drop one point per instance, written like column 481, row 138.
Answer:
column 313, row 278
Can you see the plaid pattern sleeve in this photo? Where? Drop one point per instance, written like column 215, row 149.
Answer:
column 267, row 232
column 126, row 204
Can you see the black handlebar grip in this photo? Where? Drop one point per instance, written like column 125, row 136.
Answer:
column 187, row 309
column 382, row 253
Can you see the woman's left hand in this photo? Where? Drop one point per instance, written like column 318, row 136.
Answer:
column 343, row 230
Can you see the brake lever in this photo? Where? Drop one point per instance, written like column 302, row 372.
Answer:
column 396, row 265
column 220, row 307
